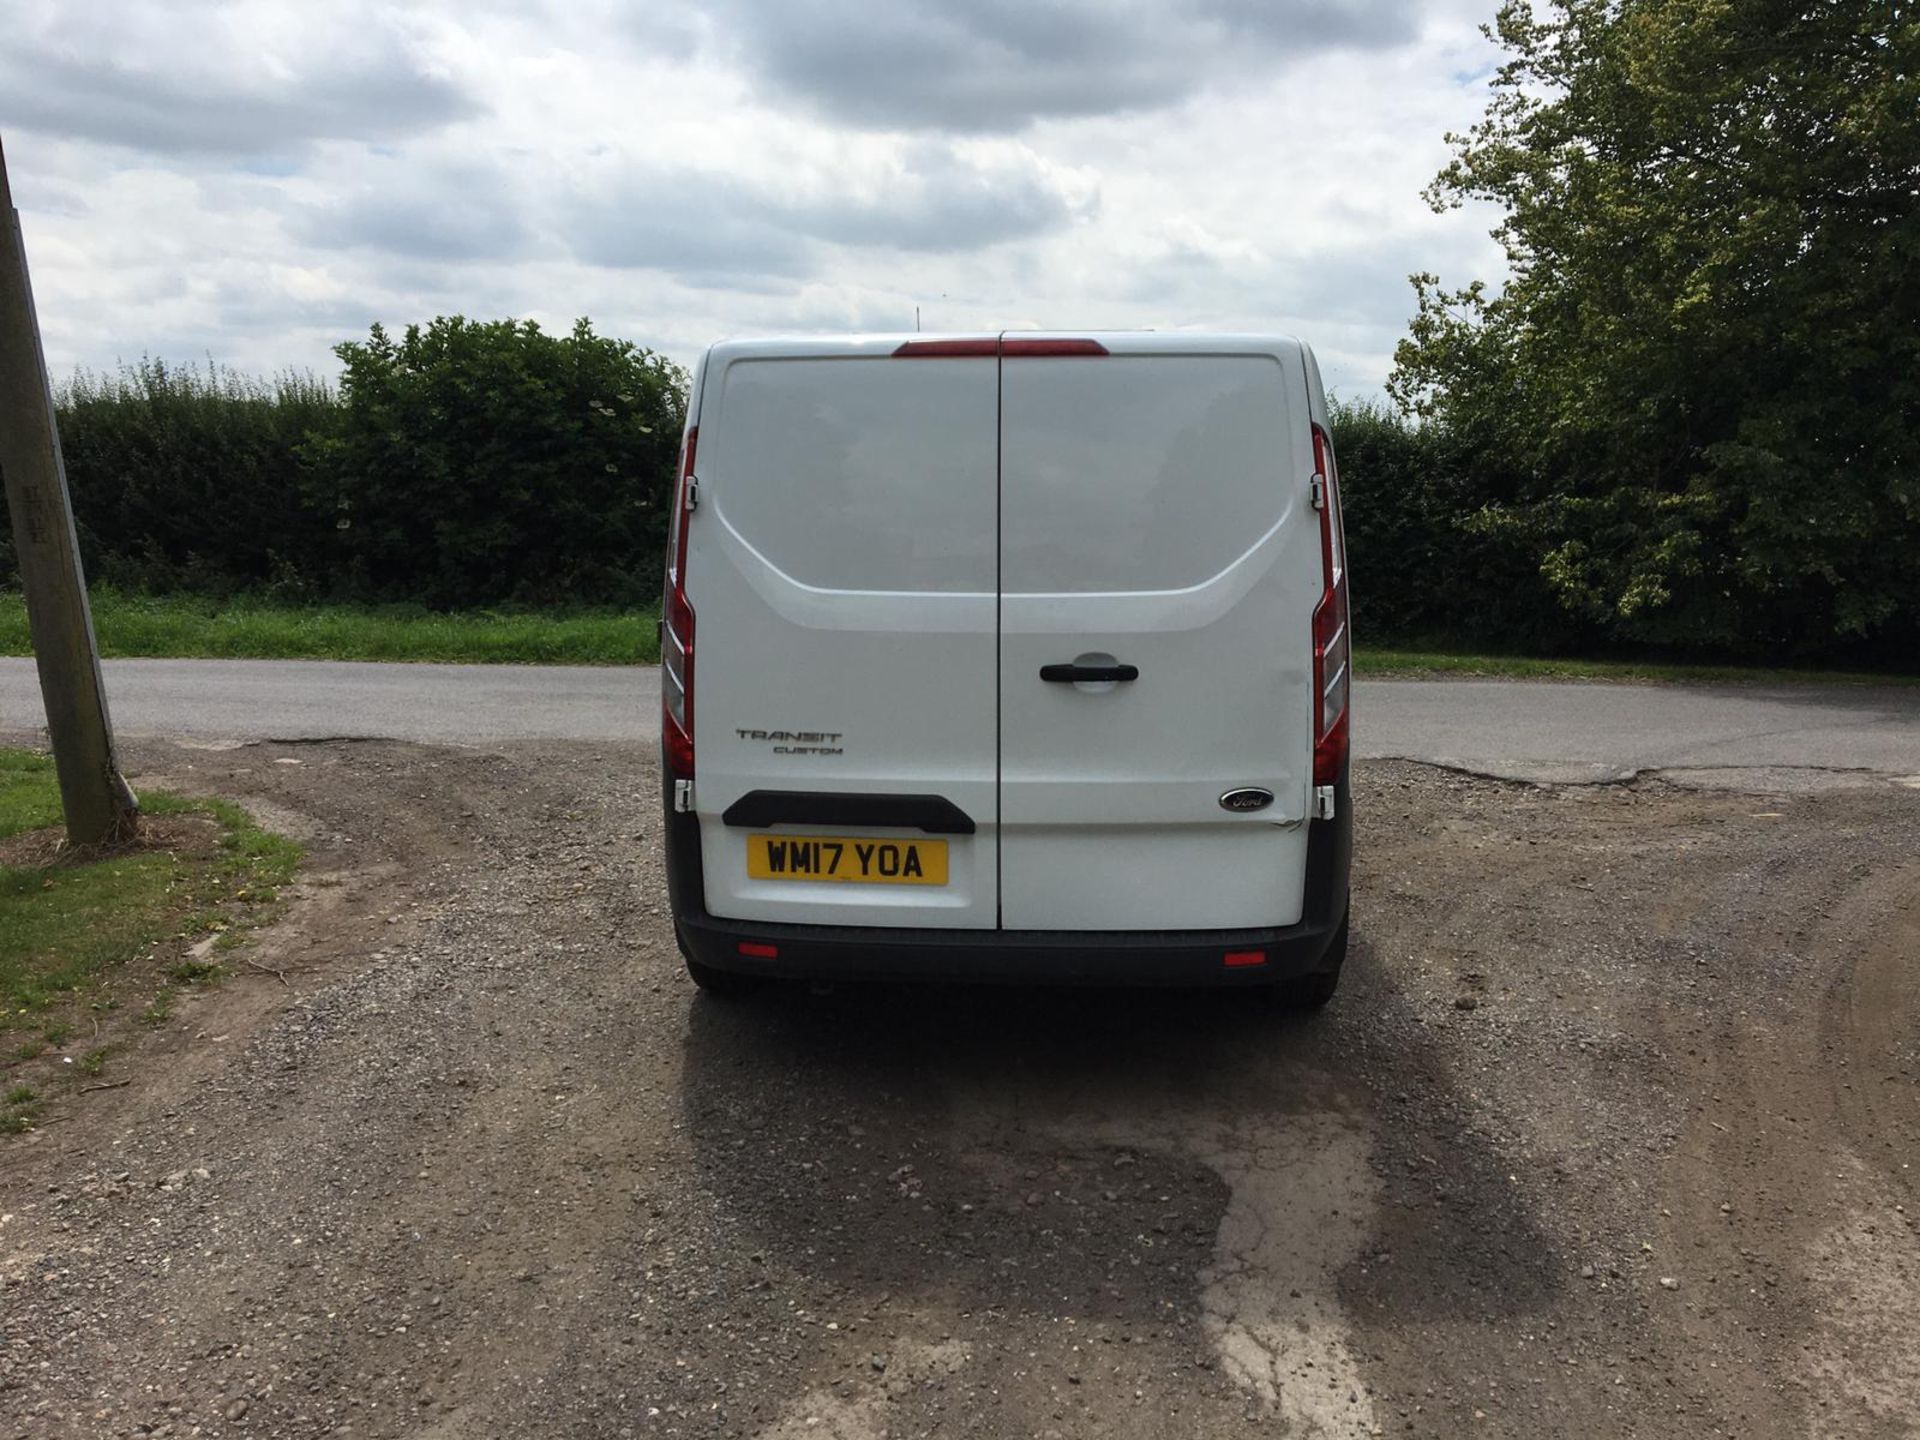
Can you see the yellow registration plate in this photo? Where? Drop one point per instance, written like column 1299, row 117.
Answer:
column 847, row 857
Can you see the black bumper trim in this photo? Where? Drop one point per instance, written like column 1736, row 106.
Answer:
column 1189, row 957
column 933, row 814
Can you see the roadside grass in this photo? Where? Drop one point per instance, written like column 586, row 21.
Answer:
column 29, row 793
column 194, row 627
column 19, row 1110
column 1387, row 663
column 185, row 626
column 70, row 924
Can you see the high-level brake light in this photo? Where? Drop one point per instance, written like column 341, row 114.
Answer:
column 947, row 349
column 1010, row 346
column 1039, row 345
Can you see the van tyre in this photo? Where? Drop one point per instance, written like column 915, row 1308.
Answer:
column 723, row 984
column 720, row 984
column 1312, row 992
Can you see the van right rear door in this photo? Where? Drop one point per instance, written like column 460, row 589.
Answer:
column 1156, row 522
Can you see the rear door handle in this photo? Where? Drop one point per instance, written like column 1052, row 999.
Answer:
column 1070, row 674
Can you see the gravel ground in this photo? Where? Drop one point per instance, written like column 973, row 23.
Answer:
column 1608, row 1133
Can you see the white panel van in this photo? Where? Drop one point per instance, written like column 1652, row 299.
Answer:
column 1016, row 657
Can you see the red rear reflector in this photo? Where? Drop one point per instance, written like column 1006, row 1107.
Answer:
column 937, row 349
column 1236, row 959
column 1014, row 345
column 759, row 951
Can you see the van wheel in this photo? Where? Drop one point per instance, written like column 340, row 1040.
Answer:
column 723, row 984
column 1311, row 992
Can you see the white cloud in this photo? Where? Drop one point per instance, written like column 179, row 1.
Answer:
column 999, row 65
column 719, row 230
column 230, row 80
column 260, row 181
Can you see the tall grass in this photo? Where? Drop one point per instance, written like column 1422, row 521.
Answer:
column 246, row 627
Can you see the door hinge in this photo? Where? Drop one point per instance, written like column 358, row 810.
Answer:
column 693, row 492
column 683, row 797
column 1317, row 489
column 1323, row 802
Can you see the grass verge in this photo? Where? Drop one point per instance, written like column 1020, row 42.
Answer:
column 190, row 626
column 85, row 941
column 1388, row 663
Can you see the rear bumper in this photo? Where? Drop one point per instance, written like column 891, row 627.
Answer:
column 1132, row 957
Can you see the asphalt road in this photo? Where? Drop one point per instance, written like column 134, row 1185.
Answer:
column 1525, row 730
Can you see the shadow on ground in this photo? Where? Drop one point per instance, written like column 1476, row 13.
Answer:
column 1109, row 1156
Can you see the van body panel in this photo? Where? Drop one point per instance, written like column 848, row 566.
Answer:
column 842, row 566
column 1155, row 512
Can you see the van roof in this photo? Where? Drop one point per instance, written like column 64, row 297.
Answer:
column 1128, row 342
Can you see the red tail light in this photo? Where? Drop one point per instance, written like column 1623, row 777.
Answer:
column 1332, row 644
column 676, row 628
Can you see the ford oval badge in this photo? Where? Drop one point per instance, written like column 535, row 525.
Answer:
column 1246, row 799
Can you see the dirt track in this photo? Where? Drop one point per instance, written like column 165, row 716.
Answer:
column 490, row 1168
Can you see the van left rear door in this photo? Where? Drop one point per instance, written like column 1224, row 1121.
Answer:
column 841, row 567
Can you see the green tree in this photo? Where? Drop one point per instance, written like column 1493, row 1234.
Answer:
column 1701, row 381
column 481, row 462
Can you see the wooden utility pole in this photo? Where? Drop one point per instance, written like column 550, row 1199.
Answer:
column 100, row 809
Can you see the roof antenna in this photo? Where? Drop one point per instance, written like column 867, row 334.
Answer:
column 916, row 319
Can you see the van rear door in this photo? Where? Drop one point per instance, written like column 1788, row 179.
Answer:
column 1156, row 521
column 842, row 570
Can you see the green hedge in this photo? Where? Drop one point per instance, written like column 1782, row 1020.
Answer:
column 1421, row 568
column 189, row 480
column 469, row 465
column 463, row 464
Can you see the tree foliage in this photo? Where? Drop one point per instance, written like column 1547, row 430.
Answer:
column 1699, row 390
column 479, row 462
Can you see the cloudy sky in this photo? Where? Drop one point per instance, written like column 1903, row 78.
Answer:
column 258, row 181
